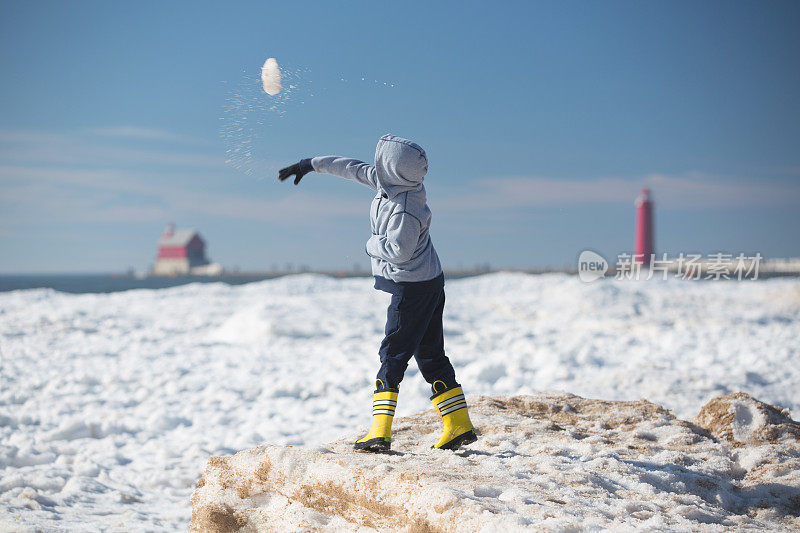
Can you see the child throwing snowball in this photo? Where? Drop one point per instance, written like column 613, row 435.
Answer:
column 406, row 265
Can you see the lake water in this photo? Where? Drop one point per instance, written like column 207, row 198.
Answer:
column 83, row 283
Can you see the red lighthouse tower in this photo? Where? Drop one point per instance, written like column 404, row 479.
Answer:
column 644, row 244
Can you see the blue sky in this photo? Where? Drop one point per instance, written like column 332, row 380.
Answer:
column 542, row 120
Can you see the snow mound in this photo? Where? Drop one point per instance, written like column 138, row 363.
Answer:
column 741, row 419
column 550, row 461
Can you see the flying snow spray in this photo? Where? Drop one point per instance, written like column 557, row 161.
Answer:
column 251, row 121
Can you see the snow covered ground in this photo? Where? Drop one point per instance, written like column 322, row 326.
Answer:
column 110, row 404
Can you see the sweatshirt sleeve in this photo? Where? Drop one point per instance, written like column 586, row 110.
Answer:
column 399, row 242
column 351, row 169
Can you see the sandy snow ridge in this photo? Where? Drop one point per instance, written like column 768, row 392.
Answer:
column 552, row 461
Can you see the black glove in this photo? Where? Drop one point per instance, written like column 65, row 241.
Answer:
column 298, row 169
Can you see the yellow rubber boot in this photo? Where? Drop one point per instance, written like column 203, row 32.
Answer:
column 452, row 407
column 379, row 437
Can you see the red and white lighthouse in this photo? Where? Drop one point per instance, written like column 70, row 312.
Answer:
column 644, row 245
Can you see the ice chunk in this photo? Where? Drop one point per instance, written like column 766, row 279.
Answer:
column 739, row 418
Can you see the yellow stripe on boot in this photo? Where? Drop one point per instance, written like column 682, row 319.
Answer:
column 379, row 437
column 452, row 407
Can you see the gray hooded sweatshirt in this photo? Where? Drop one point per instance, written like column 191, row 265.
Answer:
column 400, row 247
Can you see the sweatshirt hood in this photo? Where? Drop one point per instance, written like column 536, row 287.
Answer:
column 400, row 164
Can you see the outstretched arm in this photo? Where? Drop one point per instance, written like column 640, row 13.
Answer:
column 344, row 167
column 399, row 242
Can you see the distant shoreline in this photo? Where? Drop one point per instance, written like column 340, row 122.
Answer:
column 117, row 282
column 78, row 283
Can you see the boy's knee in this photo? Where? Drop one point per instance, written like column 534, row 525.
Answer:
column 429, row 352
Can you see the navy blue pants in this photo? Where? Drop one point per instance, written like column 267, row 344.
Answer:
column 414, row 328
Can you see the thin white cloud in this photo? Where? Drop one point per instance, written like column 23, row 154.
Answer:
column 10, row 136
column 693, row 191
column 700, row 190
column 115, row 132
column 58, row 177
column 59, row 195
column 105, row 147
column 146, row 134
column 78, row 151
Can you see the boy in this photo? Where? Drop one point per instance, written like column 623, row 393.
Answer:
column 406, row 265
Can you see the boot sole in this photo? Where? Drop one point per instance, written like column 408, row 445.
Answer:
column 377, row 445
column 465, row 438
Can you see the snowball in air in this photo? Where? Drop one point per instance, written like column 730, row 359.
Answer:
column 271, row 76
